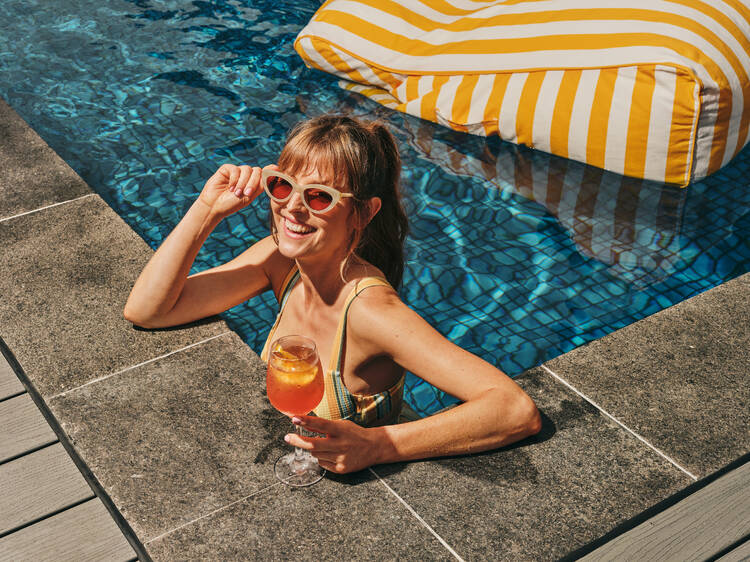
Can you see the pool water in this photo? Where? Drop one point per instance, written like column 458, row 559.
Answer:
column 515, row 255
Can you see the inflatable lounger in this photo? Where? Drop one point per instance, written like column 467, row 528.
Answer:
column 651, row 89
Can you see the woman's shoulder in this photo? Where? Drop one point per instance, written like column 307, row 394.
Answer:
column 372, row 300
column 265, row 253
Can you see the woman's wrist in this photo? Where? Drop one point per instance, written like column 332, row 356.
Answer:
column 385, row 450
column 207, row 214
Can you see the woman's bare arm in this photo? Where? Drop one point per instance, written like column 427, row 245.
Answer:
column 164, row 295
column 494, row 412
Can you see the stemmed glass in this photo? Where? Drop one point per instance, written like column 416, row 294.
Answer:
column 295, row 386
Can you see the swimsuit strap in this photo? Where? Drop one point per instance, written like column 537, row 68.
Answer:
column 286, row 288
column 362, row 284
column 338, row 402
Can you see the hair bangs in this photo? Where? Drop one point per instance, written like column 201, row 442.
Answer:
column 322, row 151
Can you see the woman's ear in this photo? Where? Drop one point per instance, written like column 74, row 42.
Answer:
column 373, row 206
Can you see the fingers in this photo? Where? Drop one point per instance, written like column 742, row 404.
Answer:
column 315, row 445
column 316, row 424
column 234, row 175
column 247, row 182
column 338, row 468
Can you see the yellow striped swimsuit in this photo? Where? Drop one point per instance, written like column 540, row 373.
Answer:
column 338, row 403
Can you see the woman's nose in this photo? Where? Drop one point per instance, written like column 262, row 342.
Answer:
column 295, row 201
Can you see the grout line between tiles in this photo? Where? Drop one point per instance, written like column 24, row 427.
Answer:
column 46, row 207
column 622, row 425
column 104, row 377
column 210, row 513
column 418, row 517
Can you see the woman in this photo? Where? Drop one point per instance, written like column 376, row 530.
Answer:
column 337, row 235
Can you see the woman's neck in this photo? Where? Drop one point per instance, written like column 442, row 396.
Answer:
column 321, row 282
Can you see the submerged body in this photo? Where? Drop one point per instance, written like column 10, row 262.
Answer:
column 334, row 241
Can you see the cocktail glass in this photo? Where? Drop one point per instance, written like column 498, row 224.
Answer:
column 295, row 386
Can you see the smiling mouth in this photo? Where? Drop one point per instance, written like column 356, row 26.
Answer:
column 297, row 228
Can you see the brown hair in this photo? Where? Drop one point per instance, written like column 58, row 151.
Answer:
column 365, row 159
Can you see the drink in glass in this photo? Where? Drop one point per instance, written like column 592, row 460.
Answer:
column 294, row 383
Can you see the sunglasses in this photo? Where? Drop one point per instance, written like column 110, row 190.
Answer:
column 317, row 198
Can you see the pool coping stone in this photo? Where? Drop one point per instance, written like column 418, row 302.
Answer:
column 34, row 176
column 677, row 378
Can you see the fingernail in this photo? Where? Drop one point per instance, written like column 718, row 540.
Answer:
column 247, row 191
column 287, row 438
column 296, row 421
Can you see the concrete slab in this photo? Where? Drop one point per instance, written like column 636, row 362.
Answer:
column 180, row 437
column 678, row 378
column 33, row 175
column 67, row 272
column 546, row 496
column 341, row 518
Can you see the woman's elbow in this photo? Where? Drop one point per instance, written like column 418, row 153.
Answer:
column 526, row 420
column 532, row 420
column 136, row 317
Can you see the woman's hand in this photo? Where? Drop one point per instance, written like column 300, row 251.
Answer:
column 346, row 447
column 231, row 188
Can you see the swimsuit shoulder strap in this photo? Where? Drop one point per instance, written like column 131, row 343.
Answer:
column 338, row 339
column 286, row 288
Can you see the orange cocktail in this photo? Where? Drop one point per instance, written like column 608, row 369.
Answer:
column 295, row 386
column 295, row 380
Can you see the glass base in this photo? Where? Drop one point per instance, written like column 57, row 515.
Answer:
column 298, row 471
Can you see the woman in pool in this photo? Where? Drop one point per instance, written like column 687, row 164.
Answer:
column 333, row 260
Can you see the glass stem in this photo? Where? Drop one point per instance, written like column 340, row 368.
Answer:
column 299, row 454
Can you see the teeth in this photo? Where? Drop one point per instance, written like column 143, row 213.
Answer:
column 298, row 228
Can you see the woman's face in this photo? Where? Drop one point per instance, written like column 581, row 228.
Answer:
column 302, row 233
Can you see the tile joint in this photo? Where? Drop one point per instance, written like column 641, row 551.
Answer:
column 417, row 516
column 622, row 425
column 46, row 207
column 104, row 377
column 210, row 513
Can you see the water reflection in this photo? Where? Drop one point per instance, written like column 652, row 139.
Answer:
column 631, row 225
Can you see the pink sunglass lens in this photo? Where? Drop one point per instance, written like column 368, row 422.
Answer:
column 317, row 199
column 279, row 187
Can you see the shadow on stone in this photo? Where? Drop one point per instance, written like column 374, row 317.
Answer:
column 201, row 322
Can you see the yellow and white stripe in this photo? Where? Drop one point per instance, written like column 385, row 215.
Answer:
column 659, row 89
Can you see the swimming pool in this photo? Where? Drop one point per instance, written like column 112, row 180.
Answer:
column 515, row 255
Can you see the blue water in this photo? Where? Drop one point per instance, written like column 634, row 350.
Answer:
column 515, row 255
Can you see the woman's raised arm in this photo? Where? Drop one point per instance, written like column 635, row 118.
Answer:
column 163, row 295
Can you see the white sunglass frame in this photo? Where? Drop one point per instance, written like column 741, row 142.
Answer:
column 335, row 194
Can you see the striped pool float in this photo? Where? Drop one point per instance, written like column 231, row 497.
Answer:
column 651, row 89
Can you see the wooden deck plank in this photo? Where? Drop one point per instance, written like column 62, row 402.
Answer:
column 9, row 383
column 23, row 427
column 84, row 532
column 739, row 554
column 704, row 523
column 38, row 484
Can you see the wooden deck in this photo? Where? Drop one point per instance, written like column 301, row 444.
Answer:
column 712, row 523
column 47, row 510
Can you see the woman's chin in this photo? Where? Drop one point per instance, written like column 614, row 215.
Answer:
column 294, row 247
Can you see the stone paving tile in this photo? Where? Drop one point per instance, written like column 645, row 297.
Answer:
column 67, row 272
column 177, row 438
column 679, row 378
column 352, row 517
column 33, row 175
column 544, row 497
